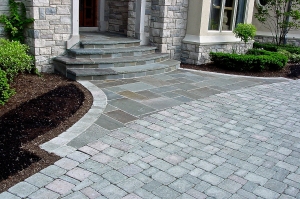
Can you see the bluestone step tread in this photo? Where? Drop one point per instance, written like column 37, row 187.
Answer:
column 121, row 70
column 101, row 51
column 74, row 61
column 111, row 42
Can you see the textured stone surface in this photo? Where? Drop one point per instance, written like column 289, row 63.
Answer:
column 199, row 54
column 226, row 145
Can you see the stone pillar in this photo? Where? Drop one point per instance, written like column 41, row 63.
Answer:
column 168, row 25
column 131, row 18
column 52, row 28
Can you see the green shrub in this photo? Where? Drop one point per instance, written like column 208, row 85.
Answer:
column 245, row 32
column 256, row 60
column 294, row 58
column 14, row 58
column 266, row 46
column 5, row 91
column 291, row 49
column 285, row 52
column 274, row 48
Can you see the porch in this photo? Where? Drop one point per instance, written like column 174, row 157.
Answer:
column 103, row 55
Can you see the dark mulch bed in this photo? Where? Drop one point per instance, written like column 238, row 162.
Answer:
column 289, row 71
column 43, row 108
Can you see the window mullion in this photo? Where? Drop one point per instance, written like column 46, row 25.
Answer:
column 222, row 15
column 234, row 14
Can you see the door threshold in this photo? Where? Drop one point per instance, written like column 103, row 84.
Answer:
column 88, row 29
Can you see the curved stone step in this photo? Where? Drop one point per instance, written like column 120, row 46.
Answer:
column 122, row 72
column 111, row 52
column 63, row 63
column 122, row 42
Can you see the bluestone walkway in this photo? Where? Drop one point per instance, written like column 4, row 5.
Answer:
column 180, row 135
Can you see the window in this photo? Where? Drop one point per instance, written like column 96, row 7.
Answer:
column 224, row 15
column 241, row 12
column 261, row 2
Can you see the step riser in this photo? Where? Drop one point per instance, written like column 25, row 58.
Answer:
column 113, row 55
column 96, row 46
column 109, row 65
column 124, row 76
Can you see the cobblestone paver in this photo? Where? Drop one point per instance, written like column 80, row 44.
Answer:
column 237, row 144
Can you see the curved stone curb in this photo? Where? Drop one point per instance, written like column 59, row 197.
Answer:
column 58, row 145
column 230, row 75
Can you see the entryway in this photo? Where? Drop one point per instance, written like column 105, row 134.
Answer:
column 88, row 14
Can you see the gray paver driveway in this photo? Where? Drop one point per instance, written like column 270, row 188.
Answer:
column 232, row 144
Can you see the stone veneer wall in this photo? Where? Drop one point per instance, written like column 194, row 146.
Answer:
column 51, row 29
column 269, row 39
column 4, row 9
column 168, row 25
column 117, row 15
column 131, row 19
column 196, row 54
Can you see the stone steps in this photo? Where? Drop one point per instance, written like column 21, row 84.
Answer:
column 123, row 72
column 106, row 56
column 111, row 52
column 122, row 43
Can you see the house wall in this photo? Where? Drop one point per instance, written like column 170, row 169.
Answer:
column 199, row 41
column 51, row 29
column 116, row 13
column 131, row 18
column 168, row 25
column 4, row 9
column 131, row 32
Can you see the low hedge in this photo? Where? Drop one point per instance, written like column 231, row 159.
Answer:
column 5, row 91
column 255, row 60
column 274, row 48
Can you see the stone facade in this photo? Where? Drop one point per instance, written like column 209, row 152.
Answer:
column 199, row 54
column 51, row 29
column 131, row 18
column 269, row 39
column 116, row 14
column 168, row 26
column 4, row 9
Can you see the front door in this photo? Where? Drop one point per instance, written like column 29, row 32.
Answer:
column 88, row 13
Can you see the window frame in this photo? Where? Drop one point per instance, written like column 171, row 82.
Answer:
column 234, row 10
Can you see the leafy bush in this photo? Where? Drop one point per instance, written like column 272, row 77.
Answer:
column 255, row 60
column 14, row 58
column 291, row 49
column 15, row 24
column 266, row 46
column 5, row 91
column 245, row 32
column 274, row 48
column 295, row 58
column 285, row 52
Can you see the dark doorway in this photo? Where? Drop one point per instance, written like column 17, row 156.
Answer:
column 88, row 13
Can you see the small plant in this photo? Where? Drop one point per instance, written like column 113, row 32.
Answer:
column 5, row 91
column 15, row 24
column 245, row 32
column 14, row 58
